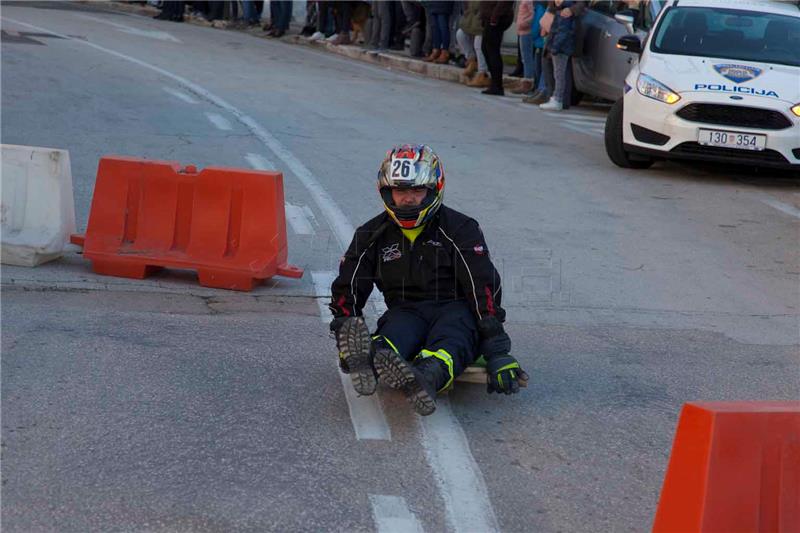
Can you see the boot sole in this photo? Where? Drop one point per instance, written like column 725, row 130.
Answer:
column 396, row 373
column 356, row 354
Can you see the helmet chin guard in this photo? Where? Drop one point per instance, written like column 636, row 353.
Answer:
column 411, row 167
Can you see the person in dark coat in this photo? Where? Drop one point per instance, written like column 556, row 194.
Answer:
column 280, row 14
column 443, row 294
column 439, row 13
column 414, row 14
column 561, row 45
column 496, row 18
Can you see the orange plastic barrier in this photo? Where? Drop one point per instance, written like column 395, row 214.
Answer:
column 227, row 224
column 735, row 467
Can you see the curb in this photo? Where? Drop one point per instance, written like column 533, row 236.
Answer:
column 393, row 61
column 385, row 59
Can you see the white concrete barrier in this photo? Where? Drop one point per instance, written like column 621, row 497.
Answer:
column 38, row 210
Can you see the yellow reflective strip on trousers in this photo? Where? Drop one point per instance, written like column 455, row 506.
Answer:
column 445, row 357
column 390, row 343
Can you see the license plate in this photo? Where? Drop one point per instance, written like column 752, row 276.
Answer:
column 732, row 139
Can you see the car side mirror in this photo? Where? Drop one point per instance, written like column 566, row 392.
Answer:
column 626, row 17
column 630, row 43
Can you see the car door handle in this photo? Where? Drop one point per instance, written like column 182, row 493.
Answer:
column 606, row 34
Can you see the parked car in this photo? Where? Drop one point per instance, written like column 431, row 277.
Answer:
column 600, row 70
column 714, row 81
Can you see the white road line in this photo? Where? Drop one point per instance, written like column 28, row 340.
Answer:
column 152, row 34
column 460, row 480
column 322, row 281
column 580, row 122
column 296, row 216
column 505, row 101
column 299, row 217
column 259, row 162
column 782, row 207
column 378, row 304
column 579, row 118
column 580, row 129
column 219, row 121
column 178, row 94
column 595, row 127
column 366, row 412
column 310, row 216
column 392, row 515
column 341, row 227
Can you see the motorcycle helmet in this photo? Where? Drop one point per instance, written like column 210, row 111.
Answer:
column 411, row 166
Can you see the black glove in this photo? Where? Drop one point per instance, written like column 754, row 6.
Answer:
column 495, row 346
column 504, row 372
column 505, row 375
column 494, row 340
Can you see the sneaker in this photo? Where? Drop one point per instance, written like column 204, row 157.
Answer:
column 332, row 37
column 414, row 381
column 354, row 351
column 317, row 36
column 552, row 105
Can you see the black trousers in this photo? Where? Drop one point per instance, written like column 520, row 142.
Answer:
column 173, row 8
column 215, row 11
column 492, row 40
column 280, row 14
column 344, row 11
column 416, row 326
column 323, row 17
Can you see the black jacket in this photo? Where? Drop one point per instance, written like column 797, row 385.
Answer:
column 501, row 12
column 448, row 261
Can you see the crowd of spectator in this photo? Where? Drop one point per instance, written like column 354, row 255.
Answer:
column 546, row 34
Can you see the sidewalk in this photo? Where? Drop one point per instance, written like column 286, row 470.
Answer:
column 396, row 60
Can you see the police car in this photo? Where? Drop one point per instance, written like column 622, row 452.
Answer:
column 717, row 81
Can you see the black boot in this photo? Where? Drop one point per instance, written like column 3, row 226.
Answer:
column 419, row 382
column 356, row 355
column 494, row 91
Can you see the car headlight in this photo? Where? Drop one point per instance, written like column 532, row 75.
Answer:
column 796, row 110
column 653, row 88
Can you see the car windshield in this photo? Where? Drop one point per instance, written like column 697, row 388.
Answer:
column 729, row 33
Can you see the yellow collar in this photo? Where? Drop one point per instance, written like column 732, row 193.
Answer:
column 412, row 234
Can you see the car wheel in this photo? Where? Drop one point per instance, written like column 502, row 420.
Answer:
column 613, row 140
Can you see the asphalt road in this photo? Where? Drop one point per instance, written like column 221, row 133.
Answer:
column 159, row 405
